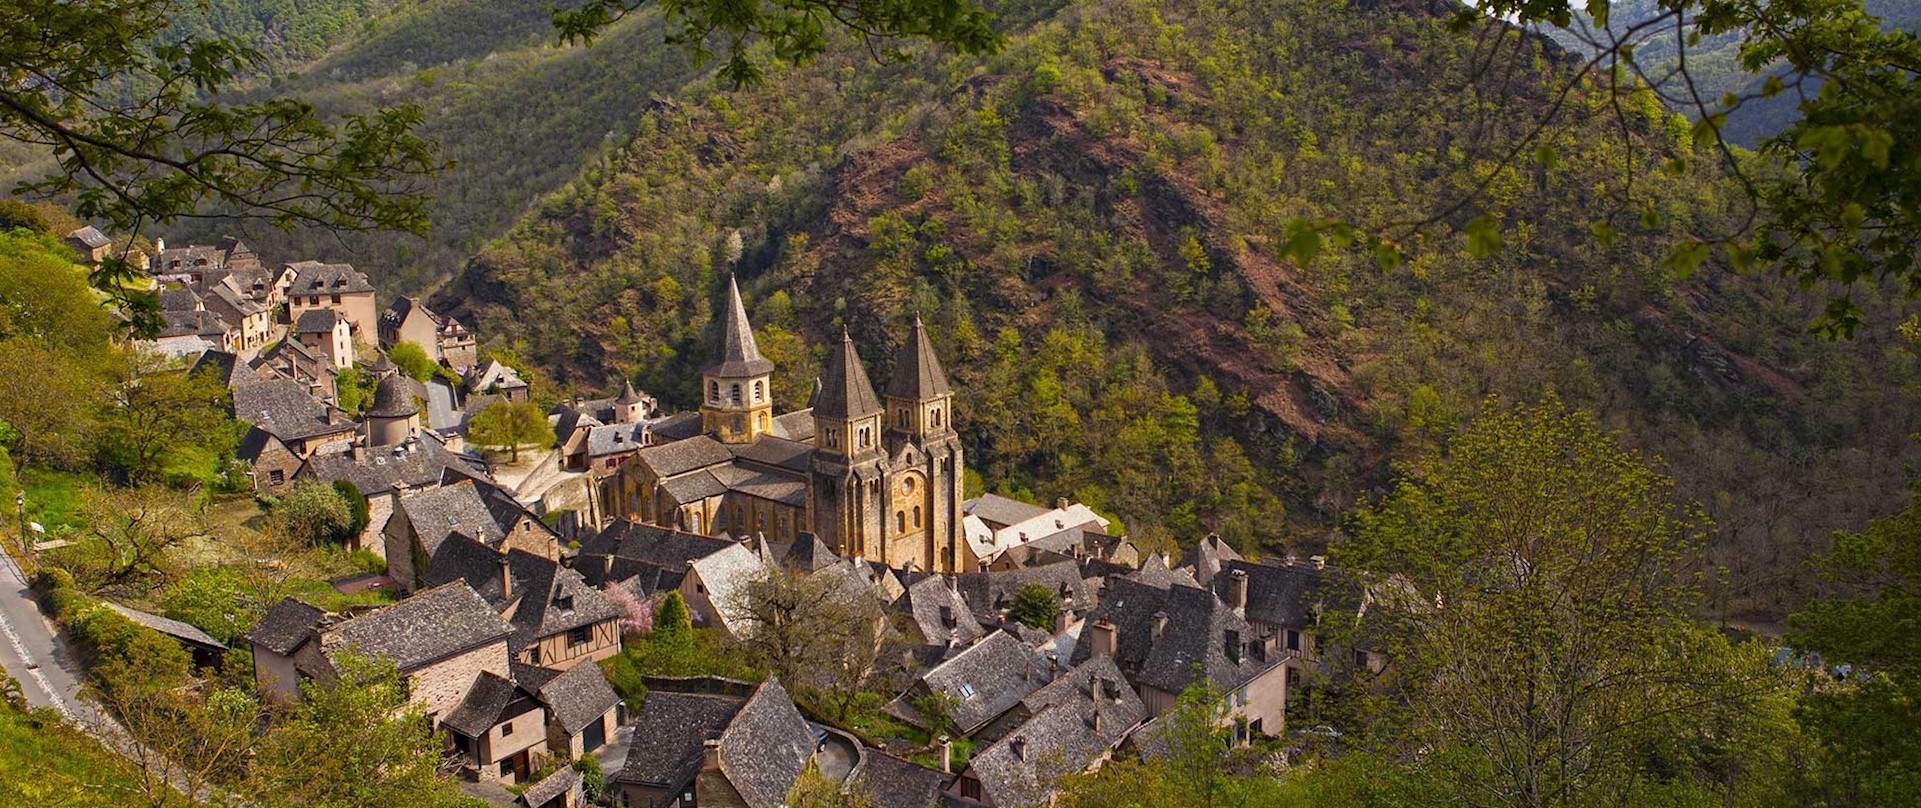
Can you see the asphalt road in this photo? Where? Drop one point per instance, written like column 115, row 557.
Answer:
column 32, row 653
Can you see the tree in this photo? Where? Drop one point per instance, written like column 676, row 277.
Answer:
column 795, row 31
column 1036, row 607
column 17, row 214
column 151, row 412
column 412, row 360
column 1533, row 595
column 511, row 425
column 352, row 742
column 820, row 633
column 54, row 347
column 185, row 740
column 814, row 790
column 356, row 506
column 316, row 512
column 1868, row 729
column 131, row 533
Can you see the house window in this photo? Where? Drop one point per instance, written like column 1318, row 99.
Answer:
column 506, row 729
column 1293, row 640
column 533, row 655
column 900, row 418
column 970, row 788
column 335, row 299
column 581, row 636
column 276, row 476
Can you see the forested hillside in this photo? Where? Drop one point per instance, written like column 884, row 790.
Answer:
column 1093, row 224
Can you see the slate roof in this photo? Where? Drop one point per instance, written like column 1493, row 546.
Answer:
column 625, row 549
column 283, row 408
column 675, row 726
column 990, row 592
column 484, row 706
column 739, row 356
column 174, row 299
column 454, row 509
column 923, row 604
column 563, row 780
column 171, row 628
column 985, row 680
column 795, row 426
column 998, row 511
column 578, row 697
column 224, row 366
column 766, row 746
column 917, row 374
column 808, row 554
column 1196, row 632
column 776, row 452
column 684, row 425
column 1207, row 556
column 314, row 277
column 392, row 397
column 725, row 574
column 890, row 782
column 682, row 456
column 432, row 625
column 191, row 323
column 1155, row 572
column 1277, row 596
column 615, row 439
column 1022, row 767
column 285, row 625
column 316, row 321
column 416, row 463
column 845, row 393
column 231, row 302
column 90, row 236
column 627, row 394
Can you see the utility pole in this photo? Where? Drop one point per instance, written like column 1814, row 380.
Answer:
column 26, row 538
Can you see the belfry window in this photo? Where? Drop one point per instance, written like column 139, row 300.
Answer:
column 760, row 392
column 713, row 392
column 735, row 393
column 937, row 418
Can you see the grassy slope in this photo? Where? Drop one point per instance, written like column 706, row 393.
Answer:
column 48, row 763
column 1116, row 183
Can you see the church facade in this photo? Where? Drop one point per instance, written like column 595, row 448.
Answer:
column 878, row 476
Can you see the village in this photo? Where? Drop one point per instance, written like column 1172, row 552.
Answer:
column 1022, row 642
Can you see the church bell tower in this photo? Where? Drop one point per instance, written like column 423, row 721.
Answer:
column 737, row 396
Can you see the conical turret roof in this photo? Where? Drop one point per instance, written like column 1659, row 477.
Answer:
column 917, row 373
column 627, row 395
column 392, row 399
column 845, row 393
column 739, row 357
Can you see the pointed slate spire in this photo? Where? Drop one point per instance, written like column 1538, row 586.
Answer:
column 739, row 357
column 917, row 373
column 845, row 393
column 628, row 395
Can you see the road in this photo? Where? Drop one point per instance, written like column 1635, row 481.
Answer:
column 33, row 653
column 441, row 413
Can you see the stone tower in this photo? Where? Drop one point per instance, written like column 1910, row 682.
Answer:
column 738, row 401
column 630, row 407
column 923, row 482
column 394, row 416
column 847, row 458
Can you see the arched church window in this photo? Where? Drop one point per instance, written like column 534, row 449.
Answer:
column 937, row 417
column 916, row 516
column 900, row 521
column 900, row 418
column 735, row 393
column 713, row 392
column 760, row 393
column 763, row 421
column 866, row 437
column 740, row 424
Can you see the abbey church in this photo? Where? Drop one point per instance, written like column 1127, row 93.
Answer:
column 874, row 476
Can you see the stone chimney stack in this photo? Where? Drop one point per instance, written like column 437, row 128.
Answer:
column 506, row 579
column 1100, row 638
column 710, row 755
column 1019, row 745
column 1237, row 590
column 946, row 754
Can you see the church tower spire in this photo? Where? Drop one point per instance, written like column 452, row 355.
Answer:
column 846, row 411
column 846, row 491
column 918, row 398
column 738, row 402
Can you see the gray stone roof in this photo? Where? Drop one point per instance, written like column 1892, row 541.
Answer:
column 1064, row 737
column 223, row 365
column 774, row 452
column 985, row 680
column 174, row 299
column 999, row 512
column 938, row 612
column 658, row 555
column 739, row 356
column 989, row 592
column 1206, row 557
column 169, row 627
column 1278, row 596
column 316, row 321
column 484, row 706
column 681, row 426
column 285, row 626
column 418, row 462
column 1197, row 630
column 675, row 726
column 231, row 302
column 845, row 393
column 766, row 746
column 316, row 278
column 192, row 323
column 578, row 697
column 393, row 397
column 627, row 394
column 614, row 439
column 917, row 374
column 454, row 509
column 90, row 236
column 563, row 780
column 694, row 487
column 682, row 456
column 891, row 782
column 1155, row 572
column 795, row 426
column 432, row 625
column 283, row 408
column 808, row 554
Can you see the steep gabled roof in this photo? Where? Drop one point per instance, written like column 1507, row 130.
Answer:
column 675, row 726
column 627, row 394
column 987, row 679
column 891, row 782
column 314, row 277
column 285, row 626
column 1081, row 723
column 283, row 408
column 917, row 374
column 1195, row 634
column 1208, row 556
column 578, row 697
column 739, row 357
column 430, row 626
column 766, row 746
column 845, row 393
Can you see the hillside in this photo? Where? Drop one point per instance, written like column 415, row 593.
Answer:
column 1092, row 222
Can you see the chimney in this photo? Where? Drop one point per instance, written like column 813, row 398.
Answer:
column 946, row 754
column 710, row 755
column 1019, row 745
column 1320, row 561
column 159, row 245
column 1160, row 624
column 506, row 579
column 1060, row 504
column 1053, row 665
column 1100, row 640
column 1237, row 590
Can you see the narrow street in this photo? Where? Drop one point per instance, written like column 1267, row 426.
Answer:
column 34, row 654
